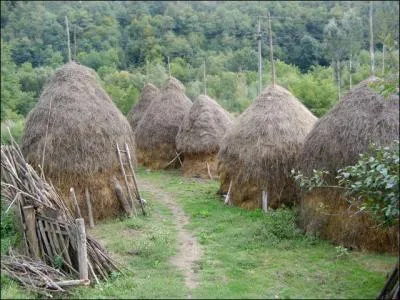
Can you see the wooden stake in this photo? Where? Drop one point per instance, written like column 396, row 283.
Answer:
column 30, row 221
column 204, row 77
column 371, row 41
column 271, row 50
column 121, row 198
column 259, row 58
column 208, row 170
column 179, row 158
column 82, row 249
column 89, row 208
column 75, row 202
column 68, row 42
column 264, row 201
column 75, row 43
column 227, row 199
column 169, row 67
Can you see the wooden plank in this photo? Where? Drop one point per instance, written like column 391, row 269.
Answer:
column 89, row 208
column 44, row 238
column 50, row 239
column 134, row 179
column 126, row 181
column 29, row 214
column 82, row 249
column 73, row 198
column 64, row 247
column 264, row 195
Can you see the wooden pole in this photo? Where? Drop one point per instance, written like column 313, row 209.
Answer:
column 259, row 58
column 208, row 170
column 264, row 201
column 75, row 202
column 68, row 42
column 120, row 195
column 204, row 77
column 89, row 208
column 228, row 195
column 75, row 43
column 271, row 50
column 30, row 222
column 371, row 41
column 169, row 67
column 82, row 249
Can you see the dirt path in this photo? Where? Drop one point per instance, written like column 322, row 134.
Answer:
column 189, row 250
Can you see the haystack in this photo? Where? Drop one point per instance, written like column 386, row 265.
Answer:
column 149, row 93
column 260, row 150
column 362, row 117
column 156, row 132
column 83, row 126
column 200, row 135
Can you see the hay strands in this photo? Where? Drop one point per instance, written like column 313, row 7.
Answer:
column 56, row 230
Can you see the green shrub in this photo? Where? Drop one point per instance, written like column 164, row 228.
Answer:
column 16, row 129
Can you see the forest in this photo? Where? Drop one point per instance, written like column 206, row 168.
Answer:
column 321, row 48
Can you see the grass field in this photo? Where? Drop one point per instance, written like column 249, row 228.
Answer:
column 246, row 254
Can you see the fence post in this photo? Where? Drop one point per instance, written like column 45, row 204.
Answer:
column 264, row 201
column 82, row 249
column 31, row 235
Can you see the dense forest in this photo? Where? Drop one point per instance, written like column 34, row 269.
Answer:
column 321, row 48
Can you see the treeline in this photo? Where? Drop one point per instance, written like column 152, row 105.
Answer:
column 128, row 43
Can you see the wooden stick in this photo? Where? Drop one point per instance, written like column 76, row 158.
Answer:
column 67, row 283
column 121, row 198
column 179, row 158
column 271, row 50
column 75, row 202
column 264, row 201
column 30, row 221
column 126, row 181
column 208, row 170
column 227, row 199
column 172, row 160
column 89, row 208
column 134, row 178
column 82, row 249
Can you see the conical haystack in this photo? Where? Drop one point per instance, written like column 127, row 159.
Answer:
column 362, row 117
column 83, row 126
column 260, row 150
column 148, row 95
column 156, row 132
column 200, row 135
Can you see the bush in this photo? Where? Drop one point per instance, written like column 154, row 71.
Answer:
column 16, row 129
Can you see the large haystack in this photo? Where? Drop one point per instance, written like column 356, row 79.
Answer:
column 83, row 128
column 361, row 118
column 148, row 95
column 260, row 150
column 156, row 132
column 200, row 135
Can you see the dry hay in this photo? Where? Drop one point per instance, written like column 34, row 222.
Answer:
column 159, row 126
column 362, row 117
column 84, row 127
column 148, row 95
column 160, row 158
column 326, row 213
column 200, row 165
column 262, row 147
column 200, row 134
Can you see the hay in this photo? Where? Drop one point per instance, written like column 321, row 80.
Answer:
column 84, row 127
column 148, row 95
column 263, row 145
column 203, row 127
column 195, row 165
column 159, row 126
column 361, row 118
column 326, row 213
column 200, row 134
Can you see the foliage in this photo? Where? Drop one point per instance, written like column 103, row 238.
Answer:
column 16, row 129
column 372, row 183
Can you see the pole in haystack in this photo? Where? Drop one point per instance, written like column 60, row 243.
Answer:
column 169, row 67
column 82, row 249
column 259, row 57
column 75, row 43
column 204, row 77
column 371, row 41
column 68, row 42
column 271, row 50
column 147, row 70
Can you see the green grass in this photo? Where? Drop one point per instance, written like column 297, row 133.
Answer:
column 246, row 254
column 251, row 255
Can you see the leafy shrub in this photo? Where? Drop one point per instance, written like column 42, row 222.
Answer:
column 16, row 129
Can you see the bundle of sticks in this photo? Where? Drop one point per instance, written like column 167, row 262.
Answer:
column 56, row 229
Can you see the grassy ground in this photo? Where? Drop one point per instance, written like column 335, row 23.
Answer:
column 246, row 254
